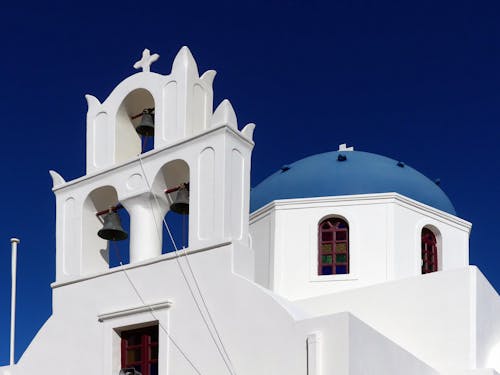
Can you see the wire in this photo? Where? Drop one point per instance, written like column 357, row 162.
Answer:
column 152, row 312
column 227, row 361
column 223, row 353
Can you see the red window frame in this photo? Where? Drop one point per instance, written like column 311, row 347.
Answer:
column 139, row 350
column 333, row 247
column 429, row 251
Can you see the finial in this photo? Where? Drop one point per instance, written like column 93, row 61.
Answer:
column 343, row 147
column 57, row 180
column 146, row 60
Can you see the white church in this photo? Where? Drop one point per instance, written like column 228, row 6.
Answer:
column 342, row 263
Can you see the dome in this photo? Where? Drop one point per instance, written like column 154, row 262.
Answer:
column 360, row 173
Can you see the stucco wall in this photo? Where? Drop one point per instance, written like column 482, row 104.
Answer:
column 372, row 353
column 262, row 234
column 452, row 236
column 430, row 316
column 487, row 323
column 384, row 241
column 260, row 335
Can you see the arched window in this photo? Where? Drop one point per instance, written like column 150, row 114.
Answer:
column 333, row 251
column 429, row 251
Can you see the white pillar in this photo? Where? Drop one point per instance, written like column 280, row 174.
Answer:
column 146, row 226
column 14, row 242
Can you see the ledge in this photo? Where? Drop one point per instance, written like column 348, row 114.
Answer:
column 134, row 310
column 162, row 258
column 154, row 152
column 358, row 199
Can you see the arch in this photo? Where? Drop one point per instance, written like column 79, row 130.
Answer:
column 96, row 252
column 333, row 246
column 172, row 175
column 430, row 251
column 128, row 142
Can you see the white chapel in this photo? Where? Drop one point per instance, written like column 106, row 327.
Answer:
column 342, row 263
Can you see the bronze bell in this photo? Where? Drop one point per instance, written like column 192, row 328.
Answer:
column 147, row 125
column 112, row 228
column 181, row 203
column 129, row 371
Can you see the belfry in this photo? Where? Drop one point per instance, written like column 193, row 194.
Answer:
column 192, row 147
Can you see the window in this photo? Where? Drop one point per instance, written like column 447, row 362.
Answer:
column 333, row 252
column 429, row 251
column 140, row 350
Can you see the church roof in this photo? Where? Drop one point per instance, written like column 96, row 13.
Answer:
column 328, row 174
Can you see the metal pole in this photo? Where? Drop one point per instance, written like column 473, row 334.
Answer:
column 14, row 242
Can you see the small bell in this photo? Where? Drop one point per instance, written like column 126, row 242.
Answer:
column 181, row 203
column 129, row 371
column 112, row 228
column 147, row 125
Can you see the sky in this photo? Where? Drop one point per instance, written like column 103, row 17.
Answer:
column 414, row 81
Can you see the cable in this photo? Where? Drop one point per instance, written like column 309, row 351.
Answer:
column 176, row 250
column 223, row 353
column 153, row 314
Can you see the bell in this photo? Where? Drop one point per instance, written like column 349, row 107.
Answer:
column 112, row 228
column 147, row 125
column 181, row 203
column 129, row 371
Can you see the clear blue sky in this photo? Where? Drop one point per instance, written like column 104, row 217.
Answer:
column 415, row 81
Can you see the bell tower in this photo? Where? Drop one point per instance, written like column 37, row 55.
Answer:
column 197, row 153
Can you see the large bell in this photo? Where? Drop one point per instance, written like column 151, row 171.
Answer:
column 147, row 125
column 181, row 203
column 112, row 228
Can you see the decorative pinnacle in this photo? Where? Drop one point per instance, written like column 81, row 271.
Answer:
column 146, row 60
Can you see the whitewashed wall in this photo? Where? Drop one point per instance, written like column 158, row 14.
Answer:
column 433, row 316
column 384, row 241
column 259, row 333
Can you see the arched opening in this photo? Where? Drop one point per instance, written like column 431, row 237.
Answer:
column 137, row 107
column 429, row 251
column 99, row 253
column 333, row 246
column 172, row 182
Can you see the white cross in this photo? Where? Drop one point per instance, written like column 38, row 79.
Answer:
column 343, row 147
column 146, row 60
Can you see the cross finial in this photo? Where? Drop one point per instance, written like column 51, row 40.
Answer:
column 146, row 60
column 343, row 147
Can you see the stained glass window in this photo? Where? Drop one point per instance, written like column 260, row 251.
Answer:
column 333, row 247
column 429, row 251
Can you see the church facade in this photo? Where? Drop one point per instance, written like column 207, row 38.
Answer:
column 345, row 262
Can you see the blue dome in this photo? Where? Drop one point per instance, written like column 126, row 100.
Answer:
column 361, row 173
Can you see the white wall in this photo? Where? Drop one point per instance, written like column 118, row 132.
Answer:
column 384, row 245
column 487, row 323
column 259, row 334
column 432, row 316
column 421, row 323
column 262, row 235
column 452, row 235
column 296, row 244
column 372, row 353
